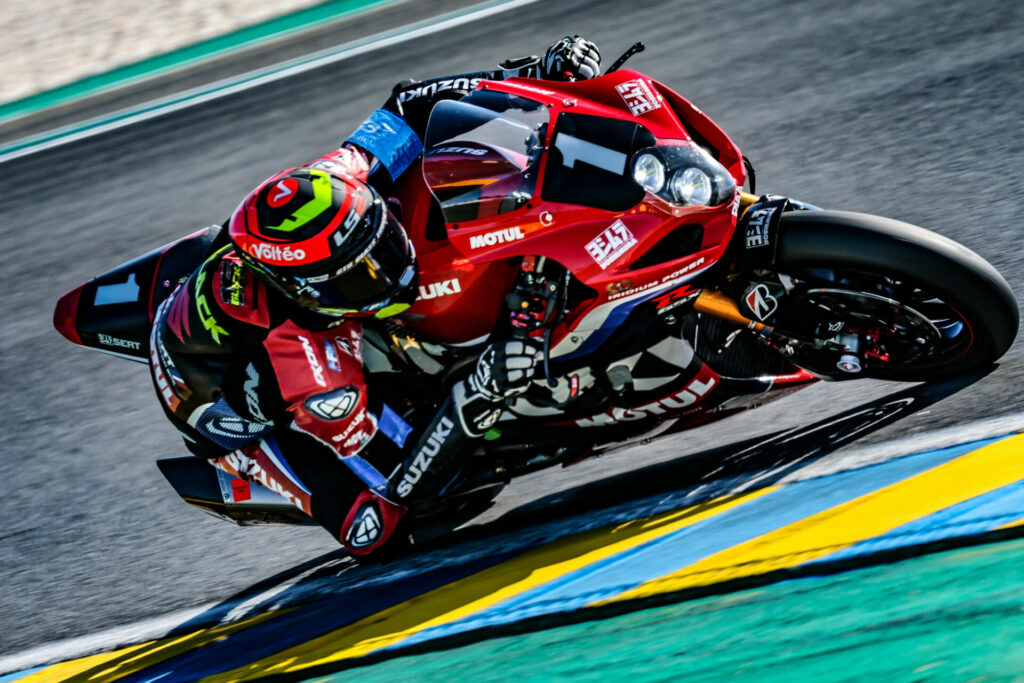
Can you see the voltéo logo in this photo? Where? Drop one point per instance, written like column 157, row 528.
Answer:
column 273, row 252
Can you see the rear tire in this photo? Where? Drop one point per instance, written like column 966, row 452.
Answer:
column 876, row 248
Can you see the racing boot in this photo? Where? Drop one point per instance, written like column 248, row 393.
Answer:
column 315, row 481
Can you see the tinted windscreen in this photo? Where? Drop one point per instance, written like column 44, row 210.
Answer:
column 588, row 163
column 482, row 153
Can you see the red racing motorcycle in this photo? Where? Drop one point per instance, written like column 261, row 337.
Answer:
column 608, row 218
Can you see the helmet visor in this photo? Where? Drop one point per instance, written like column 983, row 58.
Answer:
column 380, row 280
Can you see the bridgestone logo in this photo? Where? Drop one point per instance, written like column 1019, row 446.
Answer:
column 270, row 252
column 496, row 237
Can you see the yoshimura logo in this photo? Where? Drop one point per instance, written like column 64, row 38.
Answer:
column 273, row 252
column 612, row 243
column 314, row 364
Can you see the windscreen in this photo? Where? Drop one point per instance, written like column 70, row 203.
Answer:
column 482, row 154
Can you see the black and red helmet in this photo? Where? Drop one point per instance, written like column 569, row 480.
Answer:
column 328, row 242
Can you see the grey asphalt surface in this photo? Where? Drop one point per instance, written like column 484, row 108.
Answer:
column 905, row 109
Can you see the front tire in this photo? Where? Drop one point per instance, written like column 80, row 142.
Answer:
column 942, row 287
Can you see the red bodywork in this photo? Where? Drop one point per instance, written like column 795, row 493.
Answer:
column 561, row 231
column 463, row 285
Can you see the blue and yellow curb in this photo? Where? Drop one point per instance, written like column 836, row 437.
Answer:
column 949, row 495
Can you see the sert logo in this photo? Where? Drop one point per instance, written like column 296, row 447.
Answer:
column 107, row 340
column 497, row 237
column 314, row 364
column 436, row 289
column 425, row 456
column 273, row 252
column 282, row 192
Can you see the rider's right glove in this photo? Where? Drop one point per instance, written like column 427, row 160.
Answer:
column 571, row 59
column 503, row 370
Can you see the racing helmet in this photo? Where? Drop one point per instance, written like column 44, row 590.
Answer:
column 328, row 242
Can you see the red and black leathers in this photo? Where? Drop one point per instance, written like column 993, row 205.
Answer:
column 273, row 392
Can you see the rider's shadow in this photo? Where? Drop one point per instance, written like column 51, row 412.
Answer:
column 743, row 465
column 740, row 466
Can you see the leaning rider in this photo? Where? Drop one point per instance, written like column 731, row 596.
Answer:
column 258, row 356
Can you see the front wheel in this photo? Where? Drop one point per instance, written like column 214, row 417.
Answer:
column 897, row 301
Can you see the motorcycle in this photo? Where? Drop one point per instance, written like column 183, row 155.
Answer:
column 615, row 222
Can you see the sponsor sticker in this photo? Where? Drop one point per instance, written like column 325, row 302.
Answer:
column 496, row 237
column 612, row 243
column 333, row 362
column 430, row 89
column 761, row 303
column 438, row 289
column 314, row 363
column 638, row 96
column 107, row 340
column 460, row 150
column 240, row 491
column 757, row 228
column 274, row 252
column 694, row 392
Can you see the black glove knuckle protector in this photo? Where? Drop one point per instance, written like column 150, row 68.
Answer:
column 571, row 58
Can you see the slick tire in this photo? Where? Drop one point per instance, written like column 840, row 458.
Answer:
column 884, row 247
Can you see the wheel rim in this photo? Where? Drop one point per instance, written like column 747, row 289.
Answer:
column 900, row 326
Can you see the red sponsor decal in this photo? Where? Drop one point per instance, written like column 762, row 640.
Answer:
column 282, row 192
column 674, row 296
column 240, row 490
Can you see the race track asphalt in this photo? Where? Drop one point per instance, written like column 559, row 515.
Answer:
column 905, row 109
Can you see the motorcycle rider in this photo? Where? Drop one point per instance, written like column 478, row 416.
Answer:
column 258, row 356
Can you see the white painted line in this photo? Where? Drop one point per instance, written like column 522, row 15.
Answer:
column 253, row 79
column 863, row 456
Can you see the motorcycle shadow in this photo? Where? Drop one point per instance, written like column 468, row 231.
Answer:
column 744, row 465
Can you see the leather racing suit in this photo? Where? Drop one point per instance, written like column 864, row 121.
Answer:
column 274, row 393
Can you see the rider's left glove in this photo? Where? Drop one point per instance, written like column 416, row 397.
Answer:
column 571, row 59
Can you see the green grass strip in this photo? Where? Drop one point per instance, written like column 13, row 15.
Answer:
column 296, row 21
column 952, row 616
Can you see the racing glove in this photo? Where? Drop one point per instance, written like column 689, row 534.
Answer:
column 503, row 370
column 571, row 59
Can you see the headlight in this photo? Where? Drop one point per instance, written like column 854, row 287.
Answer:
column 649, row 172
column 683, row 174
column 691, row 187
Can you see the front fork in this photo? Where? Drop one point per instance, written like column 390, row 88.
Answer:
column 718, row 304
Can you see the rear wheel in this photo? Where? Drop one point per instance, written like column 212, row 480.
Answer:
column 874, row 297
